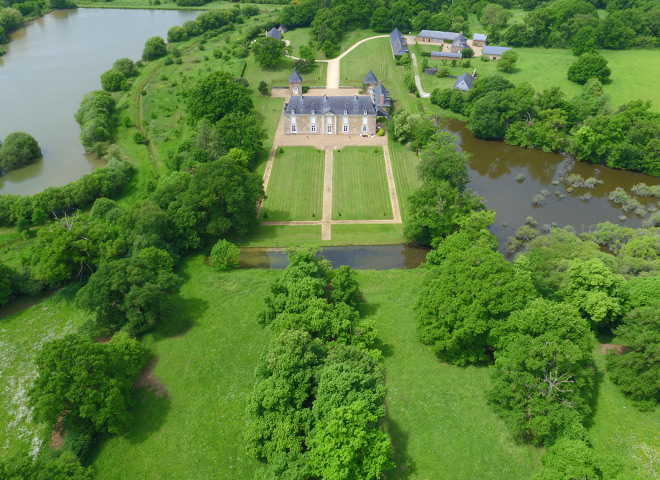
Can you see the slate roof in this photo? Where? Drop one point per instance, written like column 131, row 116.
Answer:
column 431, row 71
column 460, row 41
column 480, row 37
column 295, row 77
column 446, row 55
column 378, row 91
column 492, row 50
column 282, row 29
column 274, row 33
column 353, row 105
column 467, row 78
column 398, row 42
column 370, row 79
column 435, row 34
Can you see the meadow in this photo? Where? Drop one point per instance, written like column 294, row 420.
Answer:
column 295, row 188
column 359, row 185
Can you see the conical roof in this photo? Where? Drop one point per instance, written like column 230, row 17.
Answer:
column 370, row 79
column 295, row 77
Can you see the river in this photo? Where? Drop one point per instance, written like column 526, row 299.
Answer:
column 49, row 66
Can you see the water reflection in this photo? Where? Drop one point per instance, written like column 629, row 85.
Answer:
column 370, row 257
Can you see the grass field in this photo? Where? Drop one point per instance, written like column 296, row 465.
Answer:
column 359, row 185
column 295, row 188
column 206, row 361
column 23, row 330
column 269, row 110
column 404, row 167
column 279, row 75
column 169, row 5
column 303, row 36
column 441, row 426
column 544, row 68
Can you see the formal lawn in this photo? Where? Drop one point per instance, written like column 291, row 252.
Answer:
column 441, row 425
column 295, row 189
column 622, row 87
column 376, row 55
column 359, row 185
column 269, row 110
column 206, row 360
column 404, row 166
column 622, row 431
column 303, row 36
column 24, row 328
column 278, row 76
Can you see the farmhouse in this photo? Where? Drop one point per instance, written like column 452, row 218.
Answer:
column 479, row 39
column 398, row 43
column 274, row 33
column 434, row 36
column 494, row 53
column 323, row 115
column 447, row 55
column 464, row 82
column 459, row 43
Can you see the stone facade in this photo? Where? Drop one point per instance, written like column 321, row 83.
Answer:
column 329, row 124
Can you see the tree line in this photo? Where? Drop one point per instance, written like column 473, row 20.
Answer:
column 534, row 321
column 318, row 404
column 587, row 126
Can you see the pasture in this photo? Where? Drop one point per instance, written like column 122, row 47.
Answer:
column 295, row 189
column 359, row 185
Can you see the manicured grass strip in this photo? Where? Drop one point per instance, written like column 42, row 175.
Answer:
column 359, row 185
column 269, row 110
column 404, row 167
column 21, row 336
column 295, row 189
column 387, row 234
column 206, row 360
column 441, row 425
column 281, row 236
column 620, row 430
column 377, row 55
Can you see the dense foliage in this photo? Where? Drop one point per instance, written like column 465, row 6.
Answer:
column 315, row 411
column 224, row 255
column 63, row 467
column 268, row 51
column 588, row 66
column 154, row 48
column 18, row 150
column 94, row 117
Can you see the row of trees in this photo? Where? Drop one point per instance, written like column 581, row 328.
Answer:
column 586, row 126
column 316, row 408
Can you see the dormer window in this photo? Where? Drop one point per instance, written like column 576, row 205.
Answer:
column 345, row 112
column 293, row 111
column 313, row 111
column 365, row 111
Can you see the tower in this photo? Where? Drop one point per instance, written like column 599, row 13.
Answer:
column 295, row 83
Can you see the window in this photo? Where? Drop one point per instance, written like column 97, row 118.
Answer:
column 329, row 128
column 295, row 90
column 294, row 128
column 365, row 111
column 364, row 129
column 345, row 128
column 313, row 128
column 345, row 112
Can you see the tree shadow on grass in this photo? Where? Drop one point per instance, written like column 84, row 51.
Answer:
column 405, row 465
column 182, row 317
column 599, row 376
column 150, row 410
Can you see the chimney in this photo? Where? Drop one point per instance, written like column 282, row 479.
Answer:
column 325, row 97
column 356, row 97
column 382, row 99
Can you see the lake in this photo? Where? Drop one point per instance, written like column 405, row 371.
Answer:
column 49, row 66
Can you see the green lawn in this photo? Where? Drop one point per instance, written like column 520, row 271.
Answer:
column 23, row 330
column 206, row 360
column 269, row 110
column 622, row 431
column 295, row 188
column 303, row 36
column 279, row 75
column 404, row 167
column 170, row 5
column 546, row 67
column 359, row 185
column 376, row 55
column 441, row 426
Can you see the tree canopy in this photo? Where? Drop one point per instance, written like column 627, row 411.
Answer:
column 154, row 48
column 268, row 51
column 217, row 95
column 18, row 150
column 589, row 65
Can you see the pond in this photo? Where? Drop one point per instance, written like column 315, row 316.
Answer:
column 49, row 66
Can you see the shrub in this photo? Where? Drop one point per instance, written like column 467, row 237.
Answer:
column 263, row 88
column 224, row 255
column 589, row 65
column 111, row 80
column 19, row 149
column 177, row 34
column 154, row 48
column 126, row 66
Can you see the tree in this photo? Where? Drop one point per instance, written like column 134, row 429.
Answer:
column 81, row 379
column 494, row 17
column 244, row 131
column 224, row 255
column 130, row 291
column 24, row 466
column 589, row 65
column 176, row 34
column 350, row 445
column 467, row 52
column 345, row 288
column 508, row 61
column 268, row 51
column 637, row 370
column 263, row 88
column 126, row 66
column 442, row 160
column 307, row 59
column 569, row 458
column 19, row 149
column 468, row 295
column 154, row 48
column 381, row 20
column 329, row 49
column 542, row 379
column 216, row 95
column 585, row 41
column 111, row 80
column 6, row 274
column 594, row 290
